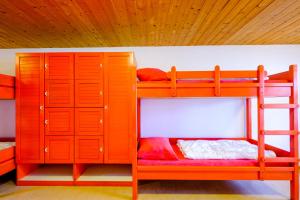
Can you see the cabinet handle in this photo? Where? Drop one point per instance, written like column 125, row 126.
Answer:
column 100, row 93
column 46, row 93
column 101, row 65
column 46, row 122
column 41, row 107
column 101, row 121
column 46, row 66
column 105, row 107
column 101, row 149
column 46, row 149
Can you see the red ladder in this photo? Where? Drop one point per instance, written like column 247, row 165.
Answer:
column 293, row 132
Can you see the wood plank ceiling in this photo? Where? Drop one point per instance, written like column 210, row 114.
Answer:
column 96, row 23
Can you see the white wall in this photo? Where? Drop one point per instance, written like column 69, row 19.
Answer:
column 188, row 117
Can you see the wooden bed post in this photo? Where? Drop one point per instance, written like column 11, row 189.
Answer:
column 260, row 123
column 135, row 134
column 294, row 183
column 248, row 118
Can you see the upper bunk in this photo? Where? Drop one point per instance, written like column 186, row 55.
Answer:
column 219, row 83
column 7, row 87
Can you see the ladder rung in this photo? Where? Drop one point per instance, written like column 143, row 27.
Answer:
column 282, row 160
column 279, row 106
column 279, row 132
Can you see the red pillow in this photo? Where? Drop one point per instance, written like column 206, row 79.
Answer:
column 156, row 149
column 151, row 74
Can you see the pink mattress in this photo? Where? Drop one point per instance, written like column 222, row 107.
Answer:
column 201, row 162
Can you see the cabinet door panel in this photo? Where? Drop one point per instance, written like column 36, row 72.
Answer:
column 59, row 149
column 59, row 93
column 59, row 121
column 88, row 93
column 89, row 149
column 59, row 66
column 120, row 99
column 88, row 66
column 88, row 121
column 30, row 112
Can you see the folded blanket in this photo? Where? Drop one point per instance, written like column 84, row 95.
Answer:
column 220, row 149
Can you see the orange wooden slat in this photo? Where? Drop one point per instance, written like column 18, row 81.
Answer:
column 281, row 160
column 279, row 132
column 239, row 74
column 279, row 106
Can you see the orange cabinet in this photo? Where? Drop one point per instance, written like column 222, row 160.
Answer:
column 59, row 149
column 89, row 149
column 88, row 66
column 30, row 110
column 59, row 121
column 88, row 93
column 59, row 93
column 88, row 121
column 120, row 101
column 59, row 66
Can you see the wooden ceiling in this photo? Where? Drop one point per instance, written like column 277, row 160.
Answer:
column 97, row 23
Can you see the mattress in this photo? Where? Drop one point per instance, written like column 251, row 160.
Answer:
column 182, row 161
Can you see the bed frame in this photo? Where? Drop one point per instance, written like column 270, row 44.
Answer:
column 7, row 156
column 217, row 83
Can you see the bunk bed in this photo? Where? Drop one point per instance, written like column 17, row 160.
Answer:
column 217, row 83
column 7, row 145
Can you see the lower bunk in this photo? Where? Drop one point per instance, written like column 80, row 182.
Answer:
column 7, row 155
column 217, row 169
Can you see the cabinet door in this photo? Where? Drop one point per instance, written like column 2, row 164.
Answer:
column 88, row 66
column 59, row 66
column 59, row 149
column 59, row 121
column 120, row 115
column 59, row 93
column 88, row 93
column 30, row 111
column 89, row 149
column 88, row 121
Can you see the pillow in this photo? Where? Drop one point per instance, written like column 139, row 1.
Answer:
column 151, row 74
column 156, row 149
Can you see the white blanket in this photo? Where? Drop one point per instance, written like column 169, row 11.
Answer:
column 5, row 145
column 220, row 149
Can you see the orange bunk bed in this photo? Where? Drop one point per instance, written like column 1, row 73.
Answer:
column 7, row 145
column 217, row 83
